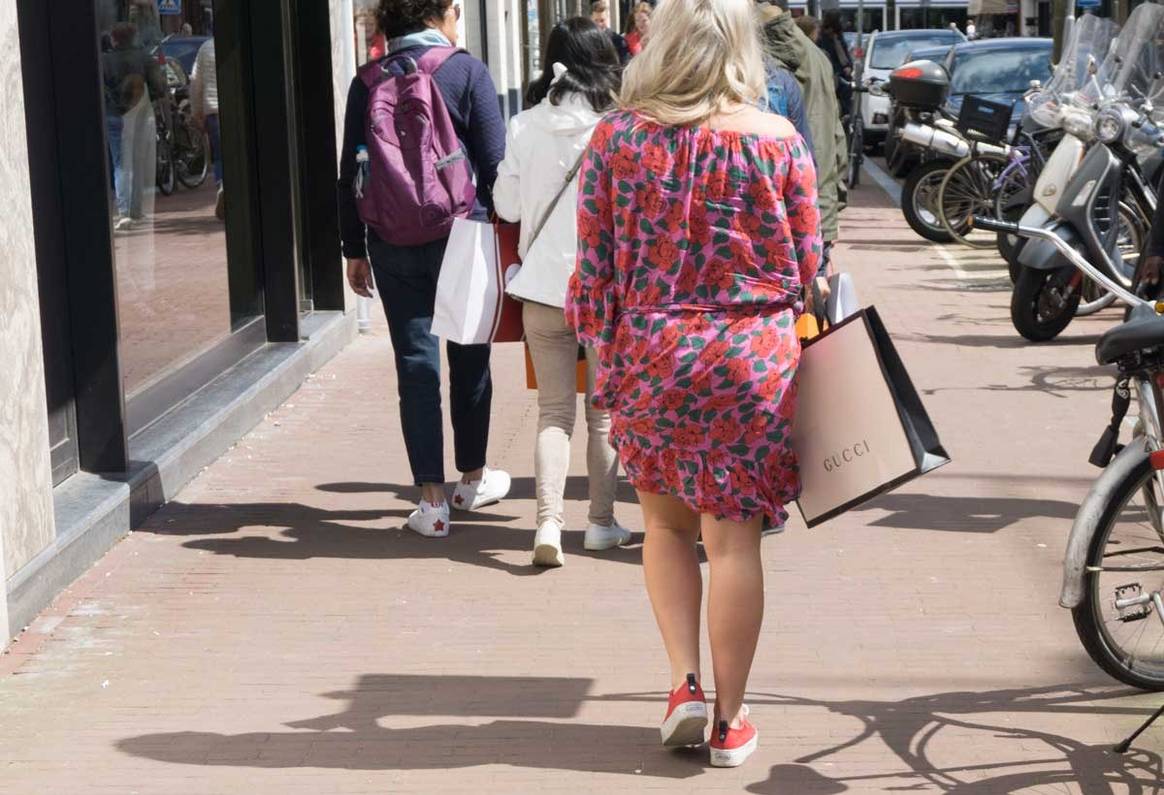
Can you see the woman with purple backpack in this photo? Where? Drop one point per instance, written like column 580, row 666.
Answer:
column 405, row 249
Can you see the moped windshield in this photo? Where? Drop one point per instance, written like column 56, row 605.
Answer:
column 1088, row 43
column 1134, row 69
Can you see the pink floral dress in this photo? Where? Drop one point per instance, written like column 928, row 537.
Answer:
column 693, row 247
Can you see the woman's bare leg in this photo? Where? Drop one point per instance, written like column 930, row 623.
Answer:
column 674, row 582
column 735, row 608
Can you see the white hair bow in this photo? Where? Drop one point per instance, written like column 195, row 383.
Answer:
column 559, row 70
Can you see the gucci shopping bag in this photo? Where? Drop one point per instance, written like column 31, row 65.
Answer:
column 860, row 428
column 471, row 305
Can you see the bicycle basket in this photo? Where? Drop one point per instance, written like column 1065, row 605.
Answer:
column 984, row 119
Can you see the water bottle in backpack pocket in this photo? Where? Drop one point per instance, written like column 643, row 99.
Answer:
column 417, row 178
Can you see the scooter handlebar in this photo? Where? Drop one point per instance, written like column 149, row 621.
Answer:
column 994, row 225
column 1064, row 248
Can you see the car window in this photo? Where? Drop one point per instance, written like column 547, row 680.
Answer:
column 892, row 53
column 181, row 51
column 991, row 71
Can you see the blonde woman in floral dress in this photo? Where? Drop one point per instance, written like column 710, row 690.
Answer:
column 698, row 228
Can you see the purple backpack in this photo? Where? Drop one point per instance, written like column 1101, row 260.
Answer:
column 417, row 177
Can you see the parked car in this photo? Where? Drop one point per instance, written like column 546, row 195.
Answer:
column 996, row 69
column 183, row 49
column 884, row 53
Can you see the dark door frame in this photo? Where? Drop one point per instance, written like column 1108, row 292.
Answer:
column 275, row 213
column 63, row 92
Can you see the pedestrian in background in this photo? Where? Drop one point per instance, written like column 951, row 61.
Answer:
column 698, row 231
column 638, row 28
column 785, row 97
column 204, row 105
column 832, row 42
column 132, row 82
column 600, row 16
column 406, row 276
column 537, row 185
column 787, row 43
column 810, row 26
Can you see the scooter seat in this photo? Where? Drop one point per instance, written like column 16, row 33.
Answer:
column 1141, row 332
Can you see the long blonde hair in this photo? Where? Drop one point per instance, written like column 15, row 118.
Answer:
column 702, row 56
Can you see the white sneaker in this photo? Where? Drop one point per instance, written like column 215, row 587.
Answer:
column 123, row 224
column 431, row 521
column 599, row 538
column 492, row 487
column 548, row 546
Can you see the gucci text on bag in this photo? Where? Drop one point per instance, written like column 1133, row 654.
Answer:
column 847, row 456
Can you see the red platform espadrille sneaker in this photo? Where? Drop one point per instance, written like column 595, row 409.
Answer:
column 732, row 747
column 686, row 717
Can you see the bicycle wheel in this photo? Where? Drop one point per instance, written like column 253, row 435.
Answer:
column 194, row 159
column 1125, row 564
column 919, row 197
column 165, row 175
column 967, row 191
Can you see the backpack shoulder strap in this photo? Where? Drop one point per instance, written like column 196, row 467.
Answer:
column 435, row 58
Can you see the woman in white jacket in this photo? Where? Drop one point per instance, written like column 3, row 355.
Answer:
column 537, row 185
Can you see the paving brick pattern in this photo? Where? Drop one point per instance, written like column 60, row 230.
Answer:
column 273, row 630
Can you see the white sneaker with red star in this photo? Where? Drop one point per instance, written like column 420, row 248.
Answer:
column 431, row 521
column 492, row 487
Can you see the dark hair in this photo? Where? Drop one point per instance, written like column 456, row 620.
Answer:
column 400, row 17
column 592, row 64
column 832, row 22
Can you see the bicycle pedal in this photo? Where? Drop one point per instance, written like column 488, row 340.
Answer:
column 1138, row 612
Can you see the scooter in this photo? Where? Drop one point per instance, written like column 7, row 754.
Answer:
column 1092, row 191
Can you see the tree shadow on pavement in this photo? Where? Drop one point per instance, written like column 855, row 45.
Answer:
column 527, row 731
column 963, row 514
column 294, row 531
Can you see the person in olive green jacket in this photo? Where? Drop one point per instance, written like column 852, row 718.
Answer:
column 797, row 53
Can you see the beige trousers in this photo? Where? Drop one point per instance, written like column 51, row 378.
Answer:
column 554, row 350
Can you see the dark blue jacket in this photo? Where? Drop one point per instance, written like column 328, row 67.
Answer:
column 473, row 105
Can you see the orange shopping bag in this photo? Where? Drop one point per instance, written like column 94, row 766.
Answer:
column 531, row 379
column 807, row 327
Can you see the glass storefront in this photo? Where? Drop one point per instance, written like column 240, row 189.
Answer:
column 167, row 194
column 932, row 17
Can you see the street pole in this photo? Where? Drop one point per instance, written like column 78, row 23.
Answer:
column 1059, row 11
column 861, row 25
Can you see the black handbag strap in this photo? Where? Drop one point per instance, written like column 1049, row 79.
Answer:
column 573, row 172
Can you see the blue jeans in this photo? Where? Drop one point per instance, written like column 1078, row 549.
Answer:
column 215, row 133
column 114, row 126
column 406, row 278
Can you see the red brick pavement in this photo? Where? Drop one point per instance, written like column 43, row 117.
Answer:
column 273, row 631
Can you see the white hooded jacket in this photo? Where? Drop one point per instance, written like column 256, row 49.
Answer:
column 542, row 145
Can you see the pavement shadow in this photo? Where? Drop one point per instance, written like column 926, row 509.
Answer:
column 1003, row 341
column 527, row 732
column 963, row 514
column 525, row 725
column 912, row 730
column 1058, row 382
column 522, row 488
column 307, row 532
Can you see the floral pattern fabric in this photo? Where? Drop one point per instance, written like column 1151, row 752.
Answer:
column 693, row 248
